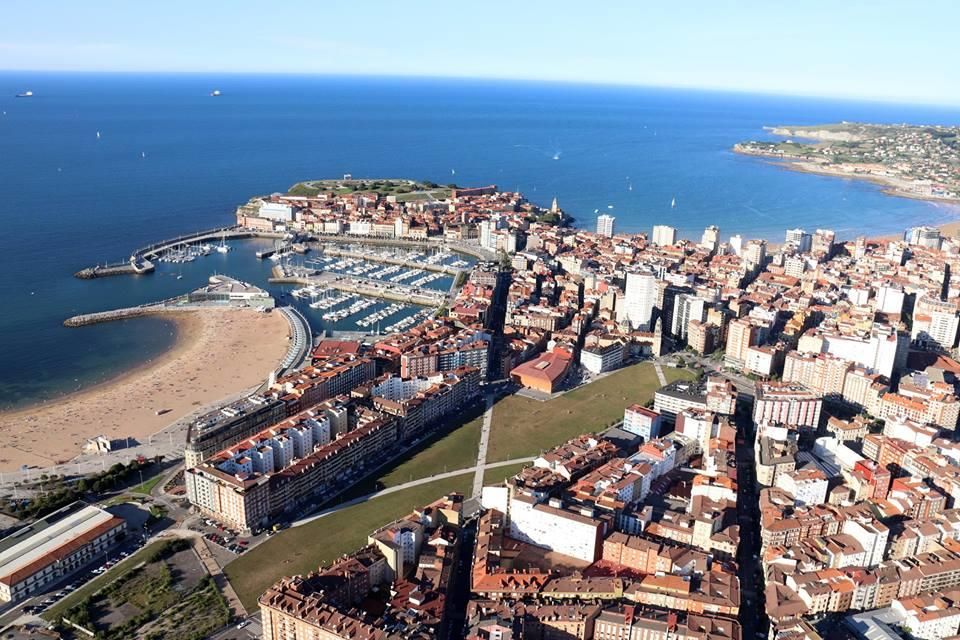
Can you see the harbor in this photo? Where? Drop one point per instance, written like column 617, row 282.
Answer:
column 188, row 247
column 358, row 285
column 340, row 286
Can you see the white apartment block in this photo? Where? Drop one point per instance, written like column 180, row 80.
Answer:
column 605, row 225
column 639, row 299
column 664, row 236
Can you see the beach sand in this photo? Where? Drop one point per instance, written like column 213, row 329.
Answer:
column 947, row 230
column 217, row 353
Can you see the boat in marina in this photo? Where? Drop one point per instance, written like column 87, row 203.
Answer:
column 223, row 247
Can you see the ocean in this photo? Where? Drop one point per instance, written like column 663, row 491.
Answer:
column 171, row 159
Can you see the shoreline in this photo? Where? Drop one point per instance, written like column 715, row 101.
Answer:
column 182, row 379
column 890, row 186
column 178, row 338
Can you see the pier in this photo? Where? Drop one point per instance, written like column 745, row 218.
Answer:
column 115, row 269
column 358, row 285
column 128, row 312
column 141, row 260
column 397, row 260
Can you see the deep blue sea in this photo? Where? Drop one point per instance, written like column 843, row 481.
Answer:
column 171, row 159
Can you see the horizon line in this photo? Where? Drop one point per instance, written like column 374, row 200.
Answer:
column 547, row 81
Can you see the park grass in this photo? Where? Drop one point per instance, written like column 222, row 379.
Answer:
column 499, row 474
column 524, row 427
column 147, row 485
column 299, row 550
column 116, row 573
column 450, row 450
column 454, row 450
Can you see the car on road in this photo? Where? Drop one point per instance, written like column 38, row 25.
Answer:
column 243, row 624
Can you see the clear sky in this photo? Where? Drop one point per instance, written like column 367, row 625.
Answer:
column 885, row 49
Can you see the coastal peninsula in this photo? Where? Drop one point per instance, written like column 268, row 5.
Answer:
column 910, row 161
column 218, row 352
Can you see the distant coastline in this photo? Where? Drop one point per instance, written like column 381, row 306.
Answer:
column 891, row 186
column 909, row 161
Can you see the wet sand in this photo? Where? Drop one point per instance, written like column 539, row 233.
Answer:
column 217, row 353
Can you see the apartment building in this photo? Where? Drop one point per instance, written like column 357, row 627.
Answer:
column 787, row 403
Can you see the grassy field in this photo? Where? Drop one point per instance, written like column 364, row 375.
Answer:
column 498, row 475
column 148, row 485
column 449, row 451
column 299, row 550
column 523, row 427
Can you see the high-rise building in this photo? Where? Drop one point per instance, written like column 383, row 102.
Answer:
column 605, row 225
column 823, row 241
column 736, row 245
column 860, row 247
column 664, row 236
column 687, row 307
column 799, row 239
column 889, row 298
column 711, row 238
column 923, row 236
column 741, row 335
column 935, row 324
column 755, row 254
column 639, row 299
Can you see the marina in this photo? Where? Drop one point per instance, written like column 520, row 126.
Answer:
column 339, row 287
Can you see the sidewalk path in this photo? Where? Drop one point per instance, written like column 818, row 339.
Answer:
column 482, row 450
column 401, row 487
column 660, row 376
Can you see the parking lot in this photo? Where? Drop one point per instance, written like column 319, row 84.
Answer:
column 40, row 603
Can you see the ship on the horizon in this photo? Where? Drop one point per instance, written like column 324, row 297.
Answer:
column 25, row 94
column 215, row 93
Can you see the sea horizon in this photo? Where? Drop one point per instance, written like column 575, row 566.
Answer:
column 407, row 78
column 171, row 159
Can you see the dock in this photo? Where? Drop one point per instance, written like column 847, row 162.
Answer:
column 360, row 286
column 141, row 260
column 397, row 260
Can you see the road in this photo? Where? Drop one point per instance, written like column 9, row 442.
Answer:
column 406, row 485
column 748, row 516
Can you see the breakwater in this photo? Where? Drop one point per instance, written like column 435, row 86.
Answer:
column 115, row 269
column 141, row 260
column 128, row 312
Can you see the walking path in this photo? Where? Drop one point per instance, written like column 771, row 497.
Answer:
column 209, row 563
column 662, row 378
column 482, row 450
column 406, row 485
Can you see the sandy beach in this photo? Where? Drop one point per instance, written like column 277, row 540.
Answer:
column 217, row 353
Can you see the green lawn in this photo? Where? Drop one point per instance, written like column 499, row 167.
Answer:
column 148, row 485
column 449, row 451
column 498, row 475
column 91, row 587
column 299, row 550
column 524, row 427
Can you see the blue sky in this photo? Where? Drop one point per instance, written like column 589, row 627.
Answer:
column 902, row 51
